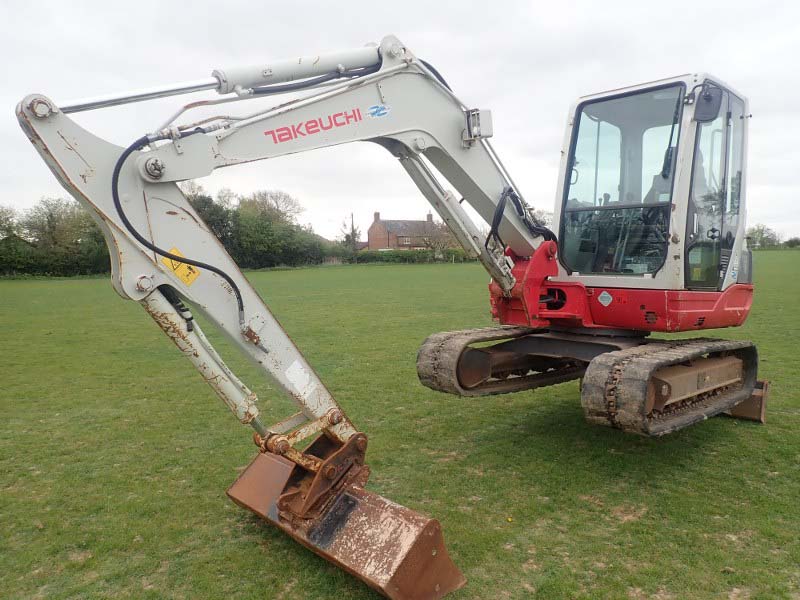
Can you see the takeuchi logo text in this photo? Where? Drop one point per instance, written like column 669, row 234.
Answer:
column 314, row 126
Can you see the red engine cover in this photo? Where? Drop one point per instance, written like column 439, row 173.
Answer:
column 537, row 302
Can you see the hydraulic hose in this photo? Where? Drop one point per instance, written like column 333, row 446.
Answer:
column 522, row 211
column 436, row 73
column 138, row 144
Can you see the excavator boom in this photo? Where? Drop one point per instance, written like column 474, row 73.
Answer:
column 166, row 258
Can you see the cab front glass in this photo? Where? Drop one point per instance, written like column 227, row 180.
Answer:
column 619, row 181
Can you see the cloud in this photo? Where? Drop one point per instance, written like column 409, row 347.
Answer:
column 526, row 61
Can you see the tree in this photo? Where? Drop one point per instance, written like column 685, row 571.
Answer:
column 793, row 242
column 543, row 217
column 275, row 204
column 57, row 223
column 762, row 236
column 66, row 239
column 217, row 215
column 8, row 221
column 191, row 188
column 264, row 232
column 44, row 223
column 350, row 235
column 439, row 238
column 227, row 197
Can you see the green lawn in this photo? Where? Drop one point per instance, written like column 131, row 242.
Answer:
column 115, row 456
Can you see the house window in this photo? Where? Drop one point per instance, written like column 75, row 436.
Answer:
column 403, row 241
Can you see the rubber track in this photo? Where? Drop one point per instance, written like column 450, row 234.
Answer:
column 437, row 362
column 614, row 388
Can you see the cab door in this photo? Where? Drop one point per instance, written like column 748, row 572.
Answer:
column 714, row 197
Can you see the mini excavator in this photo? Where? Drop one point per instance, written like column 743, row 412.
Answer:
column 648, row 236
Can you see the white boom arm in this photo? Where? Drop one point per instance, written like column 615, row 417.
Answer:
column 380, row 94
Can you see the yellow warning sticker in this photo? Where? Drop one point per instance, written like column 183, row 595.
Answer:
column 186, row 273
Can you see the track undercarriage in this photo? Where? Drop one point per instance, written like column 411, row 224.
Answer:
column 638, row 385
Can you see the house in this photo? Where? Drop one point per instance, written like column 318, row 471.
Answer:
column 399, row 235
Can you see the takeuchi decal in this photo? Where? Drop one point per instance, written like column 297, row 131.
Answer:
column 314, row 126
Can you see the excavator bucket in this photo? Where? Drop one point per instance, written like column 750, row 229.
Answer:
column 395, row 550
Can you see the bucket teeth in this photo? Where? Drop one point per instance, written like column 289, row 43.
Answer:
column 395, row 550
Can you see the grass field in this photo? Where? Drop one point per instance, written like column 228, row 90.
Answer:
column 114, row 455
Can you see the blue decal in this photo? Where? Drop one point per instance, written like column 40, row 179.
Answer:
column 378, row 110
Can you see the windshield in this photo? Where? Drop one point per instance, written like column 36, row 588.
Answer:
column 619, row 189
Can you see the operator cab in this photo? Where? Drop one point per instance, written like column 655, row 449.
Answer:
column 627, row 155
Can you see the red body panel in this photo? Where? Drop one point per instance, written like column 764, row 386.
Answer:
column 575, row 305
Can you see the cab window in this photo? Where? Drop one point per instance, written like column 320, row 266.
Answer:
column 715, row 196
column 619, row 182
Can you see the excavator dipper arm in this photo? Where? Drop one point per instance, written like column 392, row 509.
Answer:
column 164, row 257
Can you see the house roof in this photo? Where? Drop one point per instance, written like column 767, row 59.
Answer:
column 408, row 228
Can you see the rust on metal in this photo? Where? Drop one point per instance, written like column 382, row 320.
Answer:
column 277, row 444
column 332, row 417
column 395, row 550
column 250, row 334
column 171, row 327
column 755, row 407
column 259, row 486
column 308, row 462
column 678, row 382
column 343, row 463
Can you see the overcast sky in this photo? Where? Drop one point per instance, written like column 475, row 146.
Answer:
column 525, row 61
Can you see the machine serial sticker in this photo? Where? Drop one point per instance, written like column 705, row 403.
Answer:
column 186, row 273
column 605, row 298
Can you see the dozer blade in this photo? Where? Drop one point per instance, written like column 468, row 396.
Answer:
column 395, row 550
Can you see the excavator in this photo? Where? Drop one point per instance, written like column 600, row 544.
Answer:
column 648, row 237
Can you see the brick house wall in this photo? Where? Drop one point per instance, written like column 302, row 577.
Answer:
column 398, row 235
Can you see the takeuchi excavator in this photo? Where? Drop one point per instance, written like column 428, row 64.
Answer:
column 648, row 236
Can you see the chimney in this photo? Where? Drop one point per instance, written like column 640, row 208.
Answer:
column 377, row 217
column 430, row 217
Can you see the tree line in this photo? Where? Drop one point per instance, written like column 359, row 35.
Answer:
column 259, row 230
column 760, row 236
column 55, row 237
